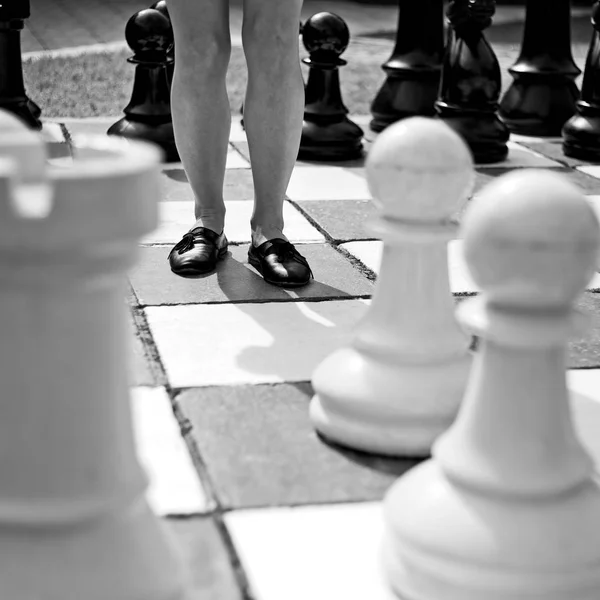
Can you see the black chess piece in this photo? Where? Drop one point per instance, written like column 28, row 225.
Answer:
column 242, row 106
column 414, row 69
column 581, row 133
column 543, row 94
column 327, row 133
column 471, row 81
column 161, row 6
column 148, row 114
column 13, row 96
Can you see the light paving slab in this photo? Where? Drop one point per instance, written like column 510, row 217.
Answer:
column 234, row 344
column 585, row 402
column 175, row 488
column 177, row 217
column 461, row 282
column 326, row 183
column 316, row 552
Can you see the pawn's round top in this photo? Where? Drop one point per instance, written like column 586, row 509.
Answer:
column 325, row 36
column 419, row 169
column 161, row 6
column 150, row 35
column 531, row 240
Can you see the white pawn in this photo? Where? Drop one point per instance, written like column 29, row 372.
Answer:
column 508, row 508
column 399, row 383
column 74, row 520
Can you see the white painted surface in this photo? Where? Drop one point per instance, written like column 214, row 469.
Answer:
column 234, row 344
column 175, row 487
column 326, row 183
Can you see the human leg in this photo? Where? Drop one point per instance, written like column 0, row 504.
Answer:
column 201, row 121
column 273, row 113
column 273, row 107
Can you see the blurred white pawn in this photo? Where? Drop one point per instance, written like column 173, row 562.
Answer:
column 398, row 385
column 508, row 509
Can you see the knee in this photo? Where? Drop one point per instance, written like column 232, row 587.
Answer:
column 269, row 43
column 203, row 53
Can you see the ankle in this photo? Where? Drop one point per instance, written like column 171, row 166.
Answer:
column 262, row 234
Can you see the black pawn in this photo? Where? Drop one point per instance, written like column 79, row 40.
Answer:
column 413, row 71
column 471, row 81
column 161, row 6
column 148, row 114
column 327, row 133
column 543, row 94
column 581, row 133
column 13, row 97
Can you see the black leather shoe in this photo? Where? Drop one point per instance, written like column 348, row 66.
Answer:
column 198, row 252
column 280, row 263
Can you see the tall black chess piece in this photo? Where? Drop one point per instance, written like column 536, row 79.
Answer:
column 414, row 69
column 148, row 114
column 543, row 94
column 581, row 133
column 471, row 81
column 13, row 97
column 161, row 6
column 327, row 133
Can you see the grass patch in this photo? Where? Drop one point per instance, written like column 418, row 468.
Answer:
column 100, row 84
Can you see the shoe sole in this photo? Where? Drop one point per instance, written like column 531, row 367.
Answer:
column 282, row 284
column 192, row 271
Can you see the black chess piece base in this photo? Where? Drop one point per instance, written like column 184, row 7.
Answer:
column 581, row 134
column 330, row 141
column 160, row 134
column 485, row 134
column 539, row 109
column 401, row 99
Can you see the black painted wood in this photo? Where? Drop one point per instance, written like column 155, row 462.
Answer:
column 471, row 81
column 413, row 71
column 148, row 114
column 13, row 96
column 161, row 6
column 581, row 133
column 327, row 133
column 543, row 94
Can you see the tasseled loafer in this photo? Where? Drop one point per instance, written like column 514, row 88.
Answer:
column 198, row 252
column 280, row 264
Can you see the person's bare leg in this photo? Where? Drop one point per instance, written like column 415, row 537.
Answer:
column 273, row 108
column 200, row 106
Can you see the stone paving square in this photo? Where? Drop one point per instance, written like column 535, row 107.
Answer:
column 176, row 217
column 271, row 343
column 236, row 281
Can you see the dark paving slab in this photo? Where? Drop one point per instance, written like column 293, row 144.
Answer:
column 144, row 366
column 260, row 449
column 140, row 371
column 238, row 185
column 554, row 151
column 206, row 558
column 584, row 351
column 589, row 185
column 236, row 281
column 342, row 220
